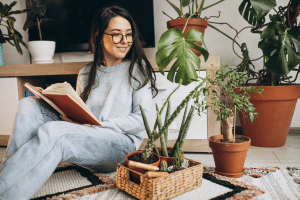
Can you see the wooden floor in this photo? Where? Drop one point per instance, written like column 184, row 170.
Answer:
column 285, row 156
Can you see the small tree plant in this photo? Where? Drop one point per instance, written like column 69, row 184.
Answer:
column 228, row 94
column 36, row 16
column 12, row 34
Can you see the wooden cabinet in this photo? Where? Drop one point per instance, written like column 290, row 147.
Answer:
column 12, row 78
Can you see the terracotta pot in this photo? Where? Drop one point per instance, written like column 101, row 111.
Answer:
column 194, row 23
column 169, row 160
column 229, row 157
column 143, row 171
column 275, row 112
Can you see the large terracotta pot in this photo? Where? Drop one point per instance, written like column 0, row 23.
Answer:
column 136, row 175
column 275, row 112
column 229, row 157
column 194, row 23
column 169, row 160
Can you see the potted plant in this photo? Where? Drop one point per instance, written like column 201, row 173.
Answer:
column 171, row 154
column 280, row 44
column 194, row 12
column 228, row 96
column 150, row 153
column 171, row 45
column 12, row 33
column 42, row 51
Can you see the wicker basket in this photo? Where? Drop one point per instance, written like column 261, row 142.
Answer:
column 164, row 187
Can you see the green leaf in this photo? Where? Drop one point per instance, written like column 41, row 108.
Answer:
column 39, row 11
column 13, row 4
column 254, row 11
column 14, row 35
column 179, row 12
column 172, row 45
column 262, row 7
column 185, row 3
column 281, row 48
column 1, row 7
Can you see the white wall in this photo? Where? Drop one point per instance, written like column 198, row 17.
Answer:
column 217, row 44
column 8, row 97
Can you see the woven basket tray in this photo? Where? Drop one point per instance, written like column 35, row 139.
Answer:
column 164, row 187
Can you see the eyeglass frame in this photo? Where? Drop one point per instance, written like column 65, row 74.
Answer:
column 112, row 37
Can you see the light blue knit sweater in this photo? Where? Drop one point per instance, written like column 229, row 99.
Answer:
column 114, row 102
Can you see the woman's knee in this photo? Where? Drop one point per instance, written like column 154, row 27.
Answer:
column 29, row 104
column 54, row 130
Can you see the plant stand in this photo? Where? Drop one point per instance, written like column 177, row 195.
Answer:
column 164, row 187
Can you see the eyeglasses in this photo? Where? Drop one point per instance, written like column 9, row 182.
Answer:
column 118, row 38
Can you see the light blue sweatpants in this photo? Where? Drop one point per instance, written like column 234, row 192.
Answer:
column 40, row 140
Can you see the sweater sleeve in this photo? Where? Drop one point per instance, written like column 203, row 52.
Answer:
column 79, row 84
column 133, row 123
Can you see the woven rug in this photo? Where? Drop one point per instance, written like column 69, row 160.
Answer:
column 71, row 182
column 257, row 183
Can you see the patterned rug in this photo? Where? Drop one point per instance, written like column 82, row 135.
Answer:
column 74, row 182
column 71, row 182
column 276, row 183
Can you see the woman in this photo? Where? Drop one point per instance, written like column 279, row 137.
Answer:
column 113, row 85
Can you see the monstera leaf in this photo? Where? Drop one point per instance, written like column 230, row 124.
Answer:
column 172, row 45
column 281, row 47
column 254, row 11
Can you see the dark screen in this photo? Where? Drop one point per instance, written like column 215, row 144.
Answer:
column 69, row 21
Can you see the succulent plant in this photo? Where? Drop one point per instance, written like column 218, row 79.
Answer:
column 178, row 159
column 164, row 127
column 163, row 165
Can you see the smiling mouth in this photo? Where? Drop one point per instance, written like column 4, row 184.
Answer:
column 122, row 48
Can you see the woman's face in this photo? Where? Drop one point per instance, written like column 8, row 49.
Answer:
column 113, row 51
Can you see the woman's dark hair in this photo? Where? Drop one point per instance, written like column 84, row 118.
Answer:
column 136, row 53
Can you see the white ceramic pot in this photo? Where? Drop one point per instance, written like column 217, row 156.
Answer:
column 41, row 51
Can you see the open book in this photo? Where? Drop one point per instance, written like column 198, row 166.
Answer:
column 64, row 99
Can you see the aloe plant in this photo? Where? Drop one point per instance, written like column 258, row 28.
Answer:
column 12, row 34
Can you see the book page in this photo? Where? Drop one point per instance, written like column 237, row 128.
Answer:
column 66, row 88
column 37, row 93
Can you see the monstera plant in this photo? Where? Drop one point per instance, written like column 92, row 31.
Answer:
column 174, row 46
column 279, row 38
column 280, row 45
